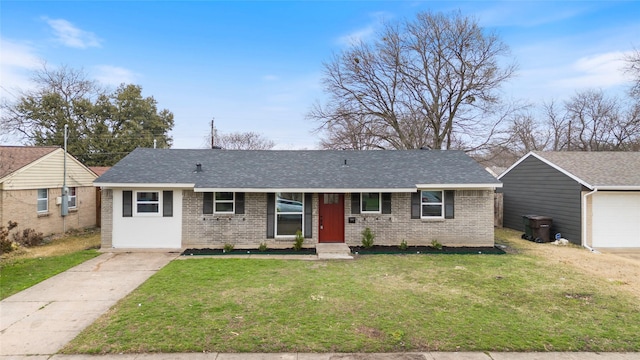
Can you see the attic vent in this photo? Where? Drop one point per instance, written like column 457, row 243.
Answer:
column 198, row 167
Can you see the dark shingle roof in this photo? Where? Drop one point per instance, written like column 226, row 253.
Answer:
column 297, row 169
column 13, row 158
column 606, row 168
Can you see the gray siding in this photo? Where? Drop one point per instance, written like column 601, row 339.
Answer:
column 535, row 188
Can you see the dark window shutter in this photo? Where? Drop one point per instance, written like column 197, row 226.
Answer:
column 415, row 205
column 239, row 203
column 386, row 203
column 355, row 203
column 271, row 210
column 207, row 203
column 127, row 203
column 449, row 196
column 167, row 203
column 308, row 227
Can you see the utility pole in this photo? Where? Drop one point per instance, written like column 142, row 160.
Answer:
column 64, row 205
column 213, row 133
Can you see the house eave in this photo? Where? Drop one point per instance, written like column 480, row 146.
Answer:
column 105, row 185
column 305, row 190
column 618, row 188
column 460, row 186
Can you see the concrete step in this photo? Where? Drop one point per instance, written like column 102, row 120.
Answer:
column 333, row 251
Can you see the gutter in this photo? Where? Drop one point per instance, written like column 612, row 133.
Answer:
column 584, row 219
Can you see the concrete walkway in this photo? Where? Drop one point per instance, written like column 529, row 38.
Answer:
column 386, row 356
column 42, row 319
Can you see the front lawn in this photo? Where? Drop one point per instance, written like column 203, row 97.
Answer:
column 29, row 266
column 376, row 303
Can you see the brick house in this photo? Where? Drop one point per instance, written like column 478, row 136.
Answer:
column 176, row 198
column 31, row 179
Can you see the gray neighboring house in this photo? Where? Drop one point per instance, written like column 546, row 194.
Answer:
column 593, row 197
column 178, row 198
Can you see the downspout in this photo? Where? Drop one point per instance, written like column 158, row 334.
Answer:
column 584, row 218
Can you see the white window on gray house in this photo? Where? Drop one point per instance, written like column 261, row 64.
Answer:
column 431, row 204
column 289, row 213
column 73, row 203
column 147, row 202
column 224, row 203
column 370, row 202
column 43, row 200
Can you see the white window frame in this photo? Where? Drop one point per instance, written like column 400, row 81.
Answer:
column 275, row 218
column 441, row 203
column 216, row 202
column 45, row 199
column 379, row 211
column 74, row 191
column 150, row 214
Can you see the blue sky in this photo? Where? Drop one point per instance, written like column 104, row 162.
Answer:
column 257, row 65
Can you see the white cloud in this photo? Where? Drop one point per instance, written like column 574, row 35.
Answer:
column 367, row 32
column 72, row 36
column 17, row 62
column 596, row 71
column 114, row 75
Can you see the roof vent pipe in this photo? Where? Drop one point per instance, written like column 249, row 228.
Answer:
column 198, row 167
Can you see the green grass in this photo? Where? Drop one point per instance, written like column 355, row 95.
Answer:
column 22, row 273
column 373, row 304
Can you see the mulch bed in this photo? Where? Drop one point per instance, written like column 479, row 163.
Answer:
column 356, row 250
column 381, row 249
column 304, row 251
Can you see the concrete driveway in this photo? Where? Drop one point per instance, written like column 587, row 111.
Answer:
column 633, row 254
column 42, row 319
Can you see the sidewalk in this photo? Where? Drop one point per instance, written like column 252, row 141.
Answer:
column 386, row 356
column 45, row 317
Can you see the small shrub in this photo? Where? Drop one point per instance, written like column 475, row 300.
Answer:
column 28, row 238
column 6, row 244
column 436, row 244
column 403, row 245
column 262, row 247
column 297, row 244
column 367, row 237
column 227, row 248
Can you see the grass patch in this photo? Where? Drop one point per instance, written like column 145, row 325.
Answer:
column 373, row 304
column 26, row 267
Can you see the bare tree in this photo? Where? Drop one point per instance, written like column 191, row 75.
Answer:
column 241, row 141
column 633, row 68
column 428, row 82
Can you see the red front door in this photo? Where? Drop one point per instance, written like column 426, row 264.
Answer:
column 331, row 218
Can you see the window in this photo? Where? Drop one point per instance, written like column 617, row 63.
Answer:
column 147, row 202
column 224, row 202
column 72, row 198
column 370, row 202
column 431, row 203
column 43, row 200
column 289, row 212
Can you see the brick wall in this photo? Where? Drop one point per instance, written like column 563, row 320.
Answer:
column 472, row 225
column 246, row 230
column 21, row 206
column 106, row 227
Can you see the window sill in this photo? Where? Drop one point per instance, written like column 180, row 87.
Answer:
column 432, row 220
column 73, row 210
column 43, row 214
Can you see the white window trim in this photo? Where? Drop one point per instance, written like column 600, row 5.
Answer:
column 232, row 201
column 38, row 198
column 147, row 214
column 441, row 203
column 379, row 211
column 73, row 196
column 275, row 218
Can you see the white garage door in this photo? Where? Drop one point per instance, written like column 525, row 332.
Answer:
column 616, row 219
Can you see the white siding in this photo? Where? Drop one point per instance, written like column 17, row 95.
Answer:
column 147, row 232
column 616, row 219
